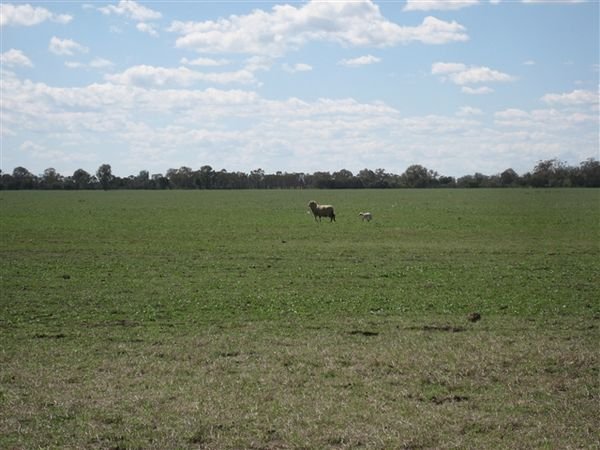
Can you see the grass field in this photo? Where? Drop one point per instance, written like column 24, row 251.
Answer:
column 230, row 319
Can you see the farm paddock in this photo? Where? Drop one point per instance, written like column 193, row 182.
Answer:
column 138, row 320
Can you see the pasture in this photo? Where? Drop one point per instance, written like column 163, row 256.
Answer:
column 231, row 319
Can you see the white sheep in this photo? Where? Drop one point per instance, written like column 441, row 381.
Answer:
column 366, row 216
column 321, row 211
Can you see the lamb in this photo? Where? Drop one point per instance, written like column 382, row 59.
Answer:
column 321, row 211
column 366, row 216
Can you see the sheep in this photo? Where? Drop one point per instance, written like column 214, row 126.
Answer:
column 321, row 211
column 366, row 216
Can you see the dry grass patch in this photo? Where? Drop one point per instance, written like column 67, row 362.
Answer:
column 395, row 384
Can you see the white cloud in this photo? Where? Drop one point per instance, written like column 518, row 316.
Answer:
column 96, row 63
column 550, row 120
column 207, row 62
column 65, row 46
column 29, row 146
column 429, row 5
column 134, row 127
column 360, row 61
column 74, row 64
column 287, row 27
column 444, row 68
column 299, row 67
column 576, row 97
column 466, row 111
column 132, row 10
column 27, row 15
column 553, row 1
column 144, row 75
column 476, row 91
column 479, row 75
column 463, row 76
column 529, row 62
column 15, row 58
column 147, row 28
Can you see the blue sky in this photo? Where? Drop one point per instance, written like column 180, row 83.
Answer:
column 457, row 86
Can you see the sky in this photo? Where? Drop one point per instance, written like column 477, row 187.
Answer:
column 456, row 86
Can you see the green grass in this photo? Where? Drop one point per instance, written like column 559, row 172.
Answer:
column 230, row 319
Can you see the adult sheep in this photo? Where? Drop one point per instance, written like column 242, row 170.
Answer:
column 366, row 216
column 321, row 211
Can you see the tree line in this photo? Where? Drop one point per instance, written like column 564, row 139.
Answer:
column 547, row 173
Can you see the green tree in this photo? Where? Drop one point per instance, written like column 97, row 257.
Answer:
column 23, row 178
column 105, row 176
column 417, row 176
column 589, row 171
column 51, row 179
column 81, row 179
column 205, row 177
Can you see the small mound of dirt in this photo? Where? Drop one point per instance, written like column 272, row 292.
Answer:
column 364, row 333
column 474, row 317
column 447, row 328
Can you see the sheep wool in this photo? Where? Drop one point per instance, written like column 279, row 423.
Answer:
column 322, row 211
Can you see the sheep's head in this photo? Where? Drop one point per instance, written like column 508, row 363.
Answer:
column 312, row 205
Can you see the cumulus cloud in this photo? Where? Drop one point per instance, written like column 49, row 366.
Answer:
column 96, row 63
column 65, row 46
column 360, row 61
column 131, row 10
column 147, row 28
column 207, row 62
column 15, row 58
column 299, row 67
column 144, row 75
column 144, row 127
column 466, row 111
column 287, row 27
column 462, row 75
column 553, row 1
column 27, row 15
column 576, row 97
column 465, row 76
column 439, row 68
column 476, row 91
column 429, row 5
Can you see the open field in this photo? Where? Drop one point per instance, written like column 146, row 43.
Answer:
column 230, row 319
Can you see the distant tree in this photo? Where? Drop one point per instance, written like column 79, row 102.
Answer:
column 105, row 176
column 322, row 180
column 367, row 178
column 182, row 178
column 445, row 181
column 383, row 179
column 477, row 180
column 589, row 171
column 551, row 173
column 257, row 178
column 23, row 178
column 6, row 180
column 417, row 176
column 51, row 179
column 344, row 179
column 509, row 178
column 159, row 182
column 205, row 177
column 81, row 179
column 142, row 180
